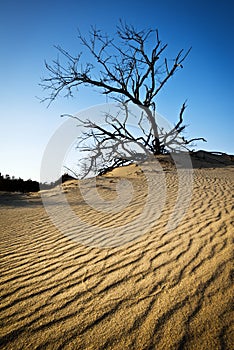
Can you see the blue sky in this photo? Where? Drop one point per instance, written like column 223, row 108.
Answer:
column 30, row 29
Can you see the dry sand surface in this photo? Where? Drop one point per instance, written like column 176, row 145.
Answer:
column 163, row 290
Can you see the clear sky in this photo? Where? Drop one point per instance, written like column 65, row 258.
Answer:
column 30, row 28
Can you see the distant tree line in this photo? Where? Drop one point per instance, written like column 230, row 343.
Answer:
column 11, row 184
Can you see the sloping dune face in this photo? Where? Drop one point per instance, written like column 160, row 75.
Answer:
column 165, row 289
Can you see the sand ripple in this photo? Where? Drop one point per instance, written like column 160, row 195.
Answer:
column 164, row 290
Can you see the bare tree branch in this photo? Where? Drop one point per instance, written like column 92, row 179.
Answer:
column 130, row 67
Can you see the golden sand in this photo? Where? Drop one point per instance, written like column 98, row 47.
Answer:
column 164, row 290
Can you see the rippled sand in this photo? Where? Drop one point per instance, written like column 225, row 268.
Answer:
column 163, row 290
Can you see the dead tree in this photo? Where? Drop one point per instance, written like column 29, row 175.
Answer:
column 130, row 68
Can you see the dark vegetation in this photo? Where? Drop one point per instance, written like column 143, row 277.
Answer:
column 11, row 184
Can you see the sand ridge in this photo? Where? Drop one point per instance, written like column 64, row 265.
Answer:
column 163, row 290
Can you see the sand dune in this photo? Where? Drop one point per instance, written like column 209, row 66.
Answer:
column 165, row 289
